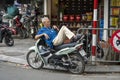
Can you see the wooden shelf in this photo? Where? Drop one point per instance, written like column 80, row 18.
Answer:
column 114, row 6
column 114, row 15
column 75, row 21
column 83, row 8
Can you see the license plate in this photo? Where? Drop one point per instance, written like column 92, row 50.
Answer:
column 82, row 52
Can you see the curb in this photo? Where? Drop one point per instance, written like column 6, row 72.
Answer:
column 13, row 59
column 88, row 68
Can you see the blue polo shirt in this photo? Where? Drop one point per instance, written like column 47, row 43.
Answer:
column 50, row 32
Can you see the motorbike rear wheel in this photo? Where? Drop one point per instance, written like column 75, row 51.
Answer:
column 100, row 51
column 26, row 34
column 33, row 32
column 9, row 41
column 34, row 60
column 77, row 64
column 21, row 33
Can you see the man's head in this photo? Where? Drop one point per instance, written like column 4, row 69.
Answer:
column 46, row 21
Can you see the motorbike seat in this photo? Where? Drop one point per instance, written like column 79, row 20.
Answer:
column 56, row 48
column 65, row 45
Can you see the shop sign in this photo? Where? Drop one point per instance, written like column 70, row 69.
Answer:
column 115, row 41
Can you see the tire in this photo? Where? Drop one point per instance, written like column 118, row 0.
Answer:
column 33, row 36
column 100, row 52
column 33, row 33
column 25, row 33
column 9, row 41
column 22, row 34
column 34, row 62
column 78, row 63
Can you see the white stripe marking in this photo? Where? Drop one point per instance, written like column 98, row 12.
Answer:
column 94, row 40
column 95, row 15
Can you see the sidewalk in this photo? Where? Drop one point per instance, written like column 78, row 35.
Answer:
column 17, row 54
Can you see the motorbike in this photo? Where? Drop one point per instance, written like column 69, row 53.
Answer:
column 87, row 40
column 18, row 27
column 26, row 19
column 6, row 35
column 33, row 26
column 67, row 56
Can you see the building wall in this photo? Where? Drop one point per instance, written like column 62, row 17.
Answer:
column 49, row 8
column 1, row 3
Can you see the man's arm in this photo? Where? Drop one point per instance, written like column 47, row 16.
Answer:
column 40, row 35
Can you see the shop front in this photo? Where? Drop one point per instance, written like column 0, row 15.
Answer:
column 114, row 14
column 72, row 12
column 77, row 13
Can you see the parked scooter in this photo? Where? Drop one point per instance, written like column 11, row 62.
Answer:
column 6, row 35
column 87, row 40
column 18, row 28
column 33, row 26
column 26, row 19
column 67, row 56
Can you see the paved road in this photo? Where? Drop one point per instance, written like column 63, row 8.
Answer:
column 10, row 71
column 20, row 47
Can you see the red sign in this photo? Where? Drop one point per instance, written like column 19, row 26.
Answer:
column 115, row 41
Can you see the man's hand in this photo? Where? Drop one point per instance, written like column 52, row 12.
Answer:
column 55, row 27
column 46, row 36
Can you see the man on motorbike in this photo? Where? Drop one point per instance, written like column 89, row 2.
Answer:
column 52, row 35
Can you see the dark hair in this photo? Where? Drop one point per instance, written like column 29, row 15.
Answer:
column 10, row 2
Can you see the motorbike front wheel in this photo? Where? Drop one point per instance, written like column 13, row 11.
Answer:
column 34, row 60
column 77, row 64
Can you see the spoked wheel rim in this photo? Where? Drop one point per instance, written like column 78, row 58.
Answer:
column 77, row 65
column 34, row 60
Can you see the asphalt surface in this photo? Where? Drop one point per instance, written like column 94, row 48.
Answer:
column 10, row 71
column 17, row 54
